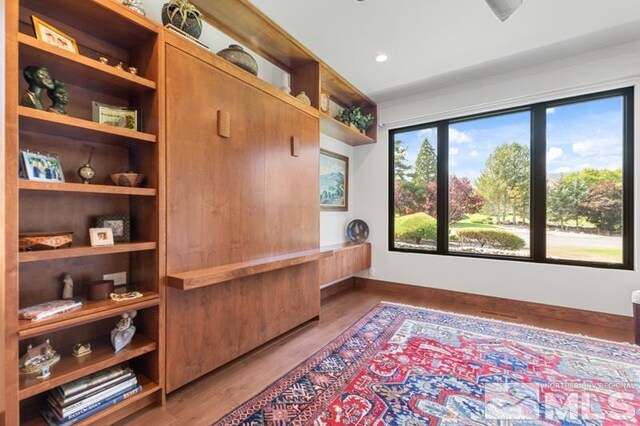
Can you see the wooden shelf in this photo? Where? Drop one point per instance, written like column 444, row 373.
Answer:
column 66, row 253
column 91, row 310
column 29, row 185
column 340, row 131
column 345, row 260
column 219, row 274
column 62, row 125
column 81, row 70
column 71, row 368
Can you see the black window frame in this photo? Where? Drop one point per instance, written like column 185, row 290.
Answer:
column 538, row 181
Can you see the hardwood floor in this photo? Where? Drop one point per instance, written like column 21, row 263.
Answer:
column 207, row 399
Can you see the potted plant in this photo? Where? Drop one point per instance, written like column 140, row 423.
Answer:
column 353, row 117
column 183, row 15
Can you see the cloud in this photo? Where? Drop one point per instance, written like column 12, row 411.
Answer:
column 454, row 151
column 583, row 148
column 429, row 133
column 456, row 136
column 474, row 153
column 551, row 110
column 554, row 153
column 562, row 170
column 453, row 163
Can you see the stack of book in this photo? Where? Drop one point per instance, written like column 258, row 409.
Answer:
column 48, row 309
column 82, row 398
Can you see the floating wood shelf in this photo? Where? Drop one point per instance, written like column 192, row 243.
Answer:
column 340, row 131
column 219, row 274
column 344, row 260
column 66, row 253
column 81, row 70
column 91, row 310
column 62, row 125
column 29, row 185
column 71, row 368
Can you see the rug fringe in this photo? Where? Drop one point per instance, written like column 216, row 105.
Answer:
column 528, row 326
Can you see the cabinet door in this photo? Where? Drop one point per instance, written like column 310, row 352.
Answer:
column 230, row 200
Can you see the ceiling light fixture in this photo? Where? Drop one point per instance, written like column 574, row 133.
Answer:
column 504, row 8
column 381, row 57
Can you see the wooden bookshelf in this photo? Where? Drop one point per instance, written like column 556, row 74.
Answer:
column 91, row 310
column 71, row 368
column 33, row 120
column 100, row 28
column 340, row 131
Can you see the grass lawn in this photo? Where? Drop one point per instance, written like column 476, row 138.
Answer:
column 466, row 224
column 595, row 254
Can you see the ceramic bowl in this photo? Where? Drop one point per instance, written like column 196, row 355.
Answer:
column 127, row 179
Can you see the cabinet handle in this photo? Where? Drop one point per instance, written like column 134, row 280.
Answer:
column 295, row 146
column 224, row 124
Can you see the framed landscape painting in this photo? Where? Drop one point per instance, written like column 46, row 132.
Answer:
column 334, row 181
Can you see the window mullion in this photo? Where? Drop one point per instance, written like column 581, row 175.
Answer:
column 538, row 235
column 443, row 187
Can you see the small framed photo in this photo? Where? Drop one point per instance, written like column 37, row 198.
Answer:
column 53, row 36
column 40, row 167
column 115, row 116
column 120, row 225
column 334, row 181
column 101, row 237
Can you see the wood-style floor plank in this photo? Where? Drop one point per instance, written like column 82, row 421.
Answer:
column 207, row 399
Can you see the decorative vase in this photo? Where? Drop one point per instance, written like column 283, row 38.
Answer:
column 192, row 25
column 237, row 56
column 304, row 98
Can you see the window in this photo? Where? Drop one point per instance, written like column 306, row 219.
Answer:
column 550, row 182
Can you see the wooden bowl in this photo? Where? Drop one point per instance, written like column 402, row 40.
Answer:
column 127, row 179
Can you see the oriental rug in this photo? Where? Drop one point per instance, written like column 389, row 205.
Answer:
column 402, row 365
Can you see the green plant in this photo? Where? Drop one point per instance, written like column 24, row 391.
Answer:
column 417, row 226
column 185, row 10
column 354, row 116
column 496, row 238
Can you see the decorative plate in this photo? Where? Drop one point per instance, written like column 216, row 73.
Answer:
column 358, row 231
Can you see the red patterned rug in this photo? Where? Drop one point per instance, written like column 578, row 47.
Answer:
column 402, row 365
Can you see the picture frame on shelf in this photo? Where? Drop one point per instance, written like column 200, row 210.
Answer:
column 334, row 181
column 40, row 167
column 116, row 116
column 101, row 237
column 53, row 36
column 120, row 225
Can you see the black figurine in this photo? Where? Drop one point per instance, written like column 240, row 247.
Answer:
column 59, row 96
column 38, row 79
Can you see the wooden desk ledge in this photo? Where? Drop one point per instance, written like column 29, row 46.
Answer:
column 218, row 274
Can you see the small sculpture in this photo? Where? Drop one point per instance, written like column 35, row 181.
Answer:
column 81, row 349
column 67, row 291
column 59, row 96
column 136, row 6
column 120, row 66
column 123, row 333
column 302, row 96
column 38, row 79
column 103, row 60
column 39, row 360
column 133, row 70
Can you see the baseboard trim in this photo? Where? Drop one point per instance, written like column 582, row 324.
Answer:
column 500, row 307
column 330, row 290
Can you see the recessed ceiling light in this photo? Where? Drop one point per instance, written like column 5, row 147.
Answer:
column 381, row 57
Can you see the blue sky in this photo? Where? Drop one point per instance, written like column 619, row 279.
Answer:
column 579, row 136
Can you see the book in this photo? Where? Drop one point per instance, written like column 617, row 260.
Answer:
column 65, row 402
column 48, row 309
column 69, row 389
column 99, row 397
column 52, row 420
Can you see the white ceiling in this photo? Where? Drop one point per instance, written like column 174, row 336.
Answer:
column 432, row 42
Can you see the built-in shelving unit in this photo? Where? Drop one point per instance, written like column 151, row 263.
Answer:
column 100, row 28
column 343, row 260
column 243, row 22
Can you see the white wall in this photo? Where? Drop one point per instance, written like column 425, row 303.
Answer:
column 577, row 287
column 333, row 225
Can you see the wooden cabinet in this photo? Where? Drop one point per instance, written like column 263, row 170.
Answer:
column 344, row 260
column 233, row 200
column 100, row 27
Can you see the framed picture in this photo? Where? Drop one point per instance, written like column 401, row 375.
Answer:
column 53, row 36
column 115, row 116
column 101, row 237
column 120, row 225
column 334, row 181
column 40, row 167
